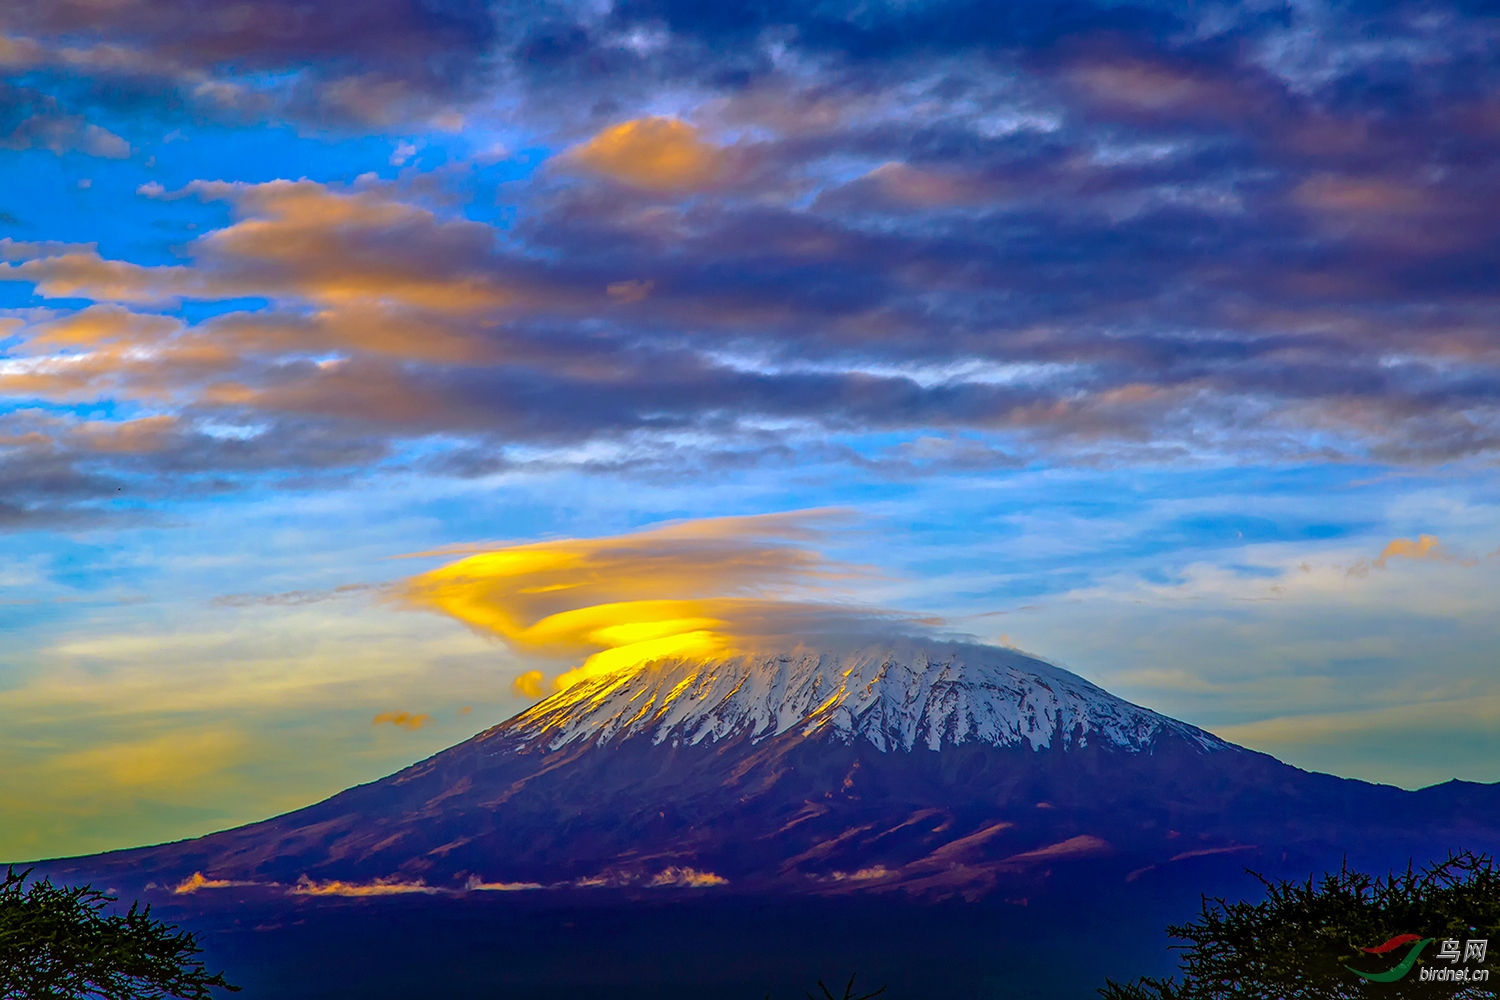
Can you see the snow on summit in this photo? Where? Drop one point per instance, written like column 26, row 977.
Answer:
column 897, row 696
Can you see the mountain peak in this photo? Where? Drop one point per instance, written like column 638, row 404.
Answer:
column 897, row 696
column 809, row 772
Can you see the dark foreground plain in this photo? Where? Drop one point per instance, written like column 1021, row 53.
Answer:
column 683, row 947
column 700, row 943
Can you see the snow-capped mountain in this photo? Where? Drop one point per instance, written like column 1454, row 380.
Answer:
column 924, row 768
column 897, row 697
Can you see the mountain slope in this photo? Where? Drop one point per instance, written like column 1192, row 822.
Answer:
column 920, row 768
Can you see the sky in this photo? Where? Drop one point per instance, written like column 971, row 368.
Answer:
column 368, row 371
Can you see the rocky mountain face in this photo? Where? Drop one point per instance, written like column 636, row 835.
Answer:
column 928, row 770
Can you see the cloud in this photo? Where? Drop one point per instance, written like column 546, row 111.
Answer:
column 295, row 598
column 699, row 588
column 629, row 291
column 403, row 720
column 1425, row 547
column 476, row 884
column 334, row 887
column 530, row 684
column 686, row 878
column 1084, row 846
column 295, row 239
column 32, row 119
column 196, row 881
column 939, row 240
column 393, row 61
column 656, row 154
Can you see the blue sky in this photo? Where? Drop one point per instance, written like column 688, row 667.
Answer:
column 1158, row 340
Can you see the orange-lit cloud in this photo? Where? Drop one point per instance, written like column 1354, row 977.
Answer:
column 687, row 878
column 405, row 720
column 1425, row 547
column 694, row 589
column 334, row 887
column 351, row 273
column 83, row 273
column 146, row 434
column 349, row 247
column 292, row 239
column 196, row 881
column 656, row 154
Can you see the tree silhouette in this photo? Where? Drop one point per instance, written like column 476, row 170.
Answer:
column 57, row 943
column 848, row 992
column 1306, row 938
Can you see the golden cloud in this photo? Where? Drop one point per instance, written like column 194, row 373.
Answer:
column 699, row 588
column 656, row 154
column 405, row 720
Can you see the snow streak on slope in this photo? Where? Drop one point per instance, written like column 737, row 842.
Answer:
column 897, row 697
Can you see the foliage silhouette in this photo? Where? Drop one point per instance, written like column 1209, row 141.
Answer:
column 57, row 943
column 848, row 992
column 1298, row 943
